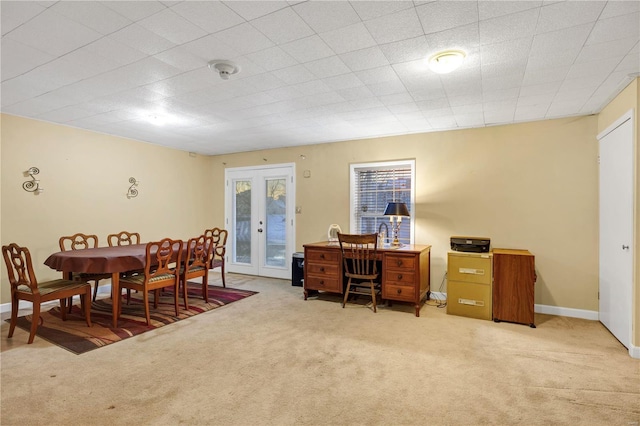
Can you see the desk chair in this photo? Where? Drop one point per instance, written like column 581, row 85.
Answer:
column 162, row 269
column 219, row 252
column 359, row 254
column 24, row 286
column 196, row 265
column 79, row 242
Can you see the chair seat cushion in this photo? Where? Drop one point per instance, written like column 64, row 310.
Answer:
column 53, row 286
column 194, row 269
column 216, row 263
column 139, row 279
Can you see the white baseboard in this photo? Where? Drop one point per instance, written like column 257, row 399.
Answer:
column 566, row 312
column 634, row 351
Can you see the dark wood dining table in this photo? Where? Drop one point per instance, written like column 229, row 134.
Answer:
column 101, row 260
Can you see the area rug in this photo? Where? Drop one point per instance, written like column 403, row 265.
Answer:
column 74, row 335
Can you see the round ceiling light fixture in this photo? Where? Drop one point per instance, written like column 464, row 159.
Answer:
column 446, row 61
column 224, row 68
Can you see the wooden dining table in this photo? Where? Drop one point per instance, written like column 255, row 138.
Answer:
column 101, row 260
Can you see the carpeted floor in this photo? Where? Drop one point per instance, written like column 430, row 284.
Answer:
column 276, row 359
column 74, row 335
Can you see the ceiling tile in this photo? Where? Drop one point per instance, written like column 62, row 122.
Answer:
column 508, row 27
column 441, row 16
column 13, row 14
column 368, row 10
column 273, row 58
column 569, row 38
column 348, row 39
column 617, row 8
column 173, row 27
column 494, row 9
column 135, row 10
column 92, row 14
column 141, row 39
column 250, row 10
column 568, row 14
column 326, row 16
column 294, row 75
column 209, row 15
column 308, row 49
column 364, row 59
column 344, row 81
column 244, row 39
column 181, row 59
column 615, row 28
column 464, row 38
column 209, row 48
column 283, row 26
column 395, row 27
column 516, row 50
column 610, row 49
column 17, row 58
column 406, row 50
column 53, row 33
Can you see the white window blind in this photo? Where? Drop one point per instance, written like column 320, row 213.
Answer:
column 375, row 185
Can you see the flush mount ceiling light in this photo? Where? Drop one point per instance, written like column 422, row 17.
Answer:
column 446, row 61
column 224, row 68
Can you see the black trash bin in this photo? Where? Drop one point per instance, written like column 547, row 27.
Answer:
column 297, row 269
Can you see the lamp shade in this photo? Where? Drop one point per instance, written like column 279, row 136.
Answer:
column 396, row 209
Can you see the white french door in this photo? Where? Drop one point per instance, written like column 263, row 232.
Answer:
column 259, row 213
column 616, row 228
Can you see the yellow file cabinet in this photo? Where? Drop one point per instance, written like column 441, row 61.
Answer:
column 469, row 284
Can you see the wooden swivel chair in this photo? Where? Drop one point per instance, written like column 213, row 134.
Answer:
column 162, row 269
column 24, row 286
column 359, row 254
column 80, row 242
column 196, row 265
column 218, row 254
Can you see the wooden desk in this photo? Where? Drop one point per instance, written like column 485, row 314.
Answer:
column 405, row 273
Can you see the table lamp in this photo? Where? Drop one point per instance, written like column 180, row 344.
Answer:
column 396, row 210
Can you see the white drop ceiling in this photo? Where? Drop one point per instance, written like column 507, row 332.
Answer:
column 311, row 71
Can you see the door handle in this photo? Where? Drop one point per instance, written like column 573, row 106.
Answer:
column 625, row 247
column 259, row 229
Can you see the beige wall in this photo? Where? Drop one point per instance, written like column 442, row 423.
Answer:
column 628, row 99
column 86, row 177
column 531, row 186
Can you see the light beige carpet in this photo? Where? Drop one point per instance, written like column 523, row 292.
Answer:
column 275, row 359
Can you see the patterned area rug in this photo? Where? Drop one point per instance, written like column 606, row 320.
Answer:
column 74, row 335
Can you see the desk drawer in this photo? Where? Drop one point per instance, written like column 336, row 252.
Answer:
column 330, row 256
column 399, row 292
column 315, row 282
column 398, row 261
column 323, row 269
column 473, row 269
column 400, row 277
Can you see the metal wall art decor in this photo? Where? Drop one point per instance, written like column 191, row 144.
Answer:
column 32, row 185
column 132, row 192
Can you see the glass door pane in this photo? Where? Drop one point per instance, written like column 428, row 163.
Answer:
column 242, row 221
column 276, row 222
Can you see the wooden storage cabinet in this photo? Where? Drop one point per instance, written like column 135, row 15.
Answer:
column 322, row 270
column 514, row 279
column 469, row 277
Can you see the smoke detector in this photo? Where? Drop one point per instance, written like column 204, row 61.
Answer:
column 224, row 68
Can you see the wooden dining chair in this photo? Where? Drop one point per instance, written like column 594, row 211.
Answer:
column 24, row 286
column 196, row 265
column 123, row 238
column 359, row 254
column 219, row 252
column 79, row 242
column 162, row 269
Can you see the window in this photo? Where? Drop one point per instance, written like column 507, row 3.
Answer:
column 373, row 185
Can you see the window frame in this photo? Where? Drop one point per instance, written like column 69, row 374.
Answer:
column 389, row 165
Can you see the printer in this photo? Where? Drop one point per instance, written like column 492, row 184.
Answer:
column 470, row 244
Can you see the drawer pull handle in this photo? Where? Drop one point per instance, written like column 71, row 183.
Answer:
column 321, row 282
column 399, row 262
column 399, row 290
column 322, row 269
column 322, row 256
column 399, row 276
